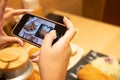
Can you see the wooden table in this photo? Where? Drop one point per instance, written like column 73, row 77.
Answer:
column 95, row 35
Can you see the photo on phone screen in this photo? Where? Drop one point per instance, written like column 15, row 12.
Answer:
column 33, row 29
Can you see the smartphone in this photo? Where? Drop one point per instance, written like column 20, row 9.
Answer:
column 33, row 29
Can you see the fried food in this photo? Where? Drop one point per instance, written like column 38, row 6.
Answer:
column 88, row 72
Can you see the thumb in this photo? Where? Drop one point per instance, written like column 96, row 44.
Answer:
column 11, row 40
column 49, row 38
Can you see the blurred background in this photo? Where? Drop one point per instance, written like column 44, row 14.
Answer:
column 102, row 10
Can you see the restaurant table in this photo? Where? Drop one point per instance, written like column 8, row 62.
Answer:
column 95, row 35
column 91, row 35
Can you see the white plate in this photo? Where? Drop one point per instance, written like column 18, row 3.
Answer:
column 77, row 53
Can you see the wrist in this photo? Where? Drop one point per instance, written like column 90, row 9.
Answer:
column 53, row 73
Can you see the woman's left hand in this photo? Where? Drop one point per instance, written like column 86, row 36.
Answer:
column 5, row 14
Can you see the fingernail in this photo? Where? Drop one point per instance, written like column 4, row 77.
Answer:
column 53, row 32
column 33, row 55
column 66, row 18
column 22, row 44
column 31, row 10
column 33, row 60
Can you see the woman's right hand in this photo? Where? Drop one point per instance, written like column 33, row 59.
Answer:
column 53, row 59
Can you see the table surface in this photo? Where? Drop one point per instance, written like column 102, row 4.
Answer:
column 95, row 35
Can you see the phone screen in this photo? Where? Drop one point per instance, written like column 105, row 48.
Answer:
column 33, row 29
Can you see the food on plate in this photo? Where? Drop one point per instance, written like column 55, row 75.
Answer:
column 108, row 65
column 30, row 27
column 88, row 72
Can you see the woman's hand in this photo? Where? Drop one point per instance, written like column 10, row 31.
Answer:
column 5, row 14
column 53, row 59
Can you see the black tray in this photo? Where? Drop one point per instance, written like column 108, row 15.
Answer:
column 72, row 73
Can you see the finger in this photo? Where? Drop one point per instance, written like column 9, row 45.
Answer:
column 36, row 59
column 68, row 23
column 47, row 42
column 8, row 9
column 69, row 34
column 22, row 11
column 36, row 54
column 11, row 40
column 2, row 32
column 2, row 8
column 11, row 12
